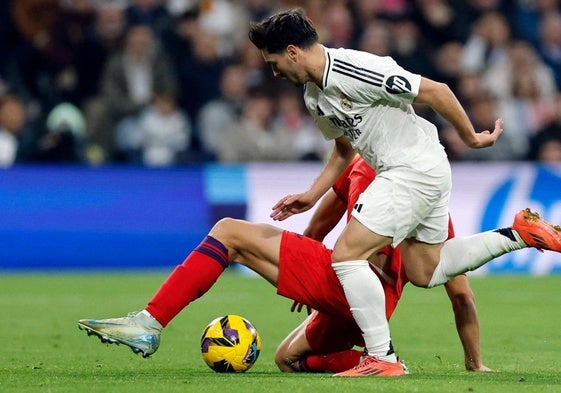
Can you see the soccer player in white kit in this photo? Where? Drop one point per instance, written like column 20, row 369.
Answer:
column 364, row 102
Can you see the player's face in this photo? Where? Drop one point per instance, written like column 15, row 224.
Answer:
column 284, row 66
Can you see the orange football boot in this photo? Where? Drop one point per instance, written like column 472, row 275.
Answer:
column 372, row 366
column 536, row 232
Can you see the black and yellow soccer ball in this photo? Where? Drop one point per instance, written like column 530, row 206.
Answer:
column 230, row 344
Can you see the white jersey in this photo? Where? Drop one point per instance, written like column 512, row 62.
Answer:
column 368, row 99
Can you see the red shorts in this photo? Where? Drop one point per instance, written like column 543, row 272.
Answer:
column 306, row 275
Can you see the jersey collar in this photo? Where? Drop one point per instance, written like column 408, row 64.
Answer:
column 326, row 69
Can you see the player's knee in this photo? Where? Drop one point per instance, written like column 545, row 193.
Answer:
column 341, row 254
column 421, row 281
column 225, row 230
column 283, row 362
column 463, row 301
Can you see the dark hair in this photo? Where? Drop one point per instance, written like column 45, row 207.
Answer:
column 290, row 27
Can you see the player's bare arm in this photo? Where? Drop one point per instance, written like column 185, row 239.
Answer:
column 467, row 323
column 440, row 98
column 326, row 216
column 341, row 156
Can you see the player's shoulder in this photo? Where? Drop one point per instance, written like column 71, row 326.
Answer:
column 356, row 67
column 341, row 57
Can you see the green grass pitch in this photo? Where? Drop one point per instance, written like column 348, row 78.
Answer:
column 43, row 350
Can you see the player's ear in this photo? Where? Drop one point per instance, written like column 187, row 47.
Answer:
column 292, row 52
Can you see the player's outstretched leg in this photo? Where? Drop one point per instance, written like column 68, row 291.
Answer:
column 138, row 331
column 371, row 366
column 536, row 232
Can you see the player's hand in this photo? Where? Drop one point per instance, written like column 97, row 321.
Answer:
column 487, row 138
column 290, row 205
column 296, row 306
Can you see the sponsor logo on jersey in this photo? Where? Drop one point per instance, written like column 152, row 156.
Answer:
column 397, row 84
column 349, row 125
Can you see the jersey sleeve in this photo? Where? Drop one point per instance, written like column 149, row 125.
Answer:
column 383, row 80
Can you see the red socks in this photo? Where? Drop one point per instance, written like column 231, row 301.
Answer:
column 190, row 280
column 331, row 362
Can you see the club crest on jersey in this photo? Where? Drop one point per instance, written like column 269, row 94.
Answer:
column 346, row 104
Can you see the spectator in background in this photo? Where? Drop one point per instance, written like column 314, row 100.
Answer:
column 545, row 145
column 487, row 43
column 74, row 21
column 292, row 116
column 199, row 74
column 12, row 121
column 376, row 38
column 527, row 110
column 58, row 50
column 27, row 69
column 472, row 10
column 259, row 9
column 366, row 11
column 470, row 87
column 484, row 111
column 6, row 33
column 159, row 136
column 228, row 21
column 218, row 115
column 520, row 58
column 409, row 49
column 338, row 25
column 440, row 21
column 104, row 39
column 130, row 79
column 549, row 45
column 64, row 138
column 528, row 16
column 253, row 138
column 177, row 38
column 151, row 13
column 448, row 64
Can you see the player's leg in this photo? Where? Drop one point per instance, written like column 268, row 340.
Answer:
column 428, row 265
column 293, row 348
column 363, row 289
column 385, row 213
column 256, row 245
column 321, row 343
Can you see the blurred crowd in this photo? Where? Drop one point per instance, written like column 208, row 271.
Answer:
column 171, row 82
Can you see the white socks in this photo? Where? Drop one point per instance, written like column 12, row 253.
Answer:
column 366, row 298
column 149, row 320
column 461, row 254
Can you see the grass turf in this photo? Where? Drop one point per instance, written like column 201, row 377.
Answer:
column 43, row 350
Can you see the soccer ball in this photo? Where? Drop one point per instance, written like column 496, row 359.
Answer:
column 230, row 344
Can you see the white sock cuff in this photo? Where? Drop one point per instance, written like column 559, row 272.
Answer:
column 349, row 264
column 153, row 320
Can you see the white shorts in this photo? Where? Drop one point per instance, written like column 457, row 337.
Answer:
column 403, row 203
